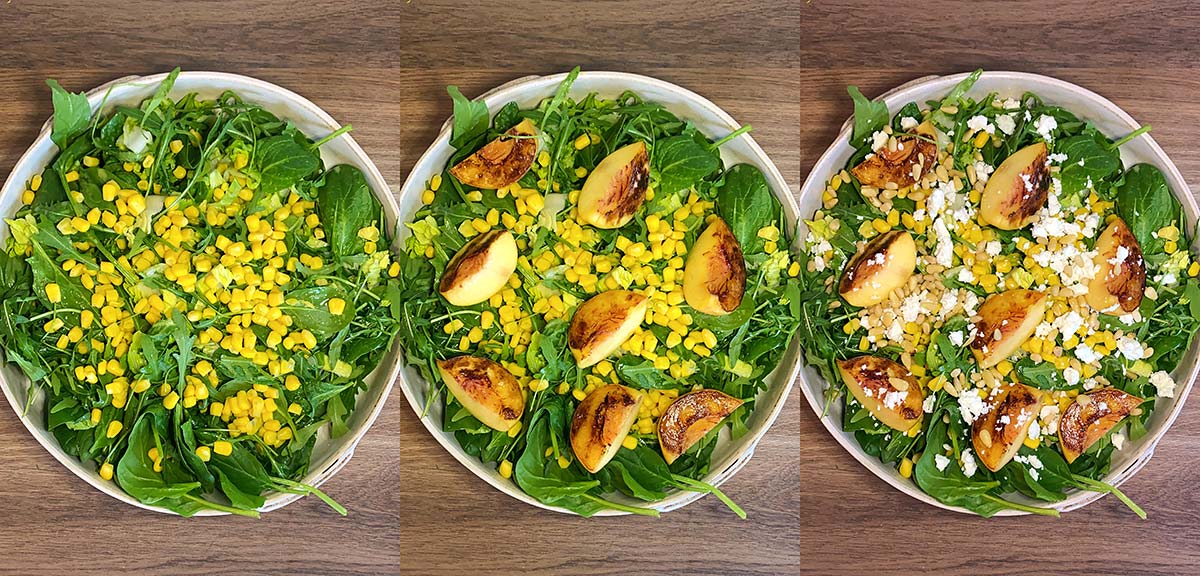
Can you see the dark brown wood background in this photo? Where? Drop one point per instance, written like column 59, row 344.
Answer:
column 1141, row 56
column 339, row 56
column 737, row 54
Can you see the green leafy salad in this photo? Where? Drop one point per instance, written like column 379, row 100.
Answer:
column 592, row 296
column 196, row 296
column 995, row 300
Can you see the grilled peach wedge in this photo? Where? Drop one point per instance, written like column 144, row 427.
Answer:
column 502, row 161
column 1006, row 320
column 603, row 323
column 1091, row 417
column 480, row 269
column 1120, row 278
column 887, row 390
column 616, row 188
column 997, row 434
column 714, row 278
column 883, row 265
column 690, row 417
column 896, row 166
column 488, row 391
column 601, row 422
column 1017, row 189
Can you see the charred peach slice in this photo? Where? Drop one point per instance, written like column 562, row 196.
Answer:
column 1017, row 190
column 714, row 278
column 1120, row 278
column 616, row 189
column 888, row 166
column 488, row 391
column 1006, row 320
column 480, row 269
column 884, row 264
column 997, row 434
column 885, row 388
column 690, row 417
column 502, row 161
column 1091, row 417
column 603, row 323
column 601, row 422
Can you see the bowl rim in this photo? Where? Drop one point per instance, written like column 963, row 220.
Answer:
column 97, row 99
column 498, row 96
column 819, row 174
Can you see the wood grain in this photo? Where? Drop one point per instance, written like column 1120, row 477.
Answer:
column 1143, row 57
column 339, row 56
column 736, row 54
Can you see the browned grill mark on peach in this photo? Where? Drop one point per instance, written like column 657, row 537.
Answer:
column 865, row 262
column 469, row 260
column 1091, row 416
column 895, row 166
column 627, row 190
column 690, row 417
column 500, row 162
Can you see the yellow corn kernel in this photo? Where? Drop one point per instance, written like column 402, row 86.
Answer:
column 630, row 442
column 53, row 293
column 54, row 325
column 906, row 467
column 880, row 225
column 506, row 469
column 106, row 471
column 1170, row 247
column 1032, row 443
column 981, row 139
column 582, row 142
column 427, row 197
column 563, row 462
column 113, row 429
column 337, row 306
column 222, row 447
column 171, row 400
column 179, row 172
column 27, row 197
column 1194, row 269
column 204, row 453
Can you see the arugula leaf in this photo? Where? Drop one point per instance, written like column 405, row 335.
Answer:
column 641, row 373
column 71, row 114
column 470, row 119
column 869, row 116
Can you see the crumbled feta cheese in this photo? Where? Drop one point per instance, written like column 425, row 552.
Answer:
column 1011, row 104
column 910, row 309
column 1086, row 355
column 968, row 463
column 895, row 332
column 908, row 123
column 894, row 398
column 927, row 405
column 1118, row 440
column 1130, row 348
column 949, row 301
column 970, row 302
column 1045, row 127
column 1035, row 430
column 944, row 252
column 966, row 275
column 1006, row 123
column 878, row 140
column 1163, row 383
column 940, row 462
column 980, row 123
column 971, row 405
column 1049, row 415
column 956, row 337
column 1058, row 158
column 993, row 248
column 1071, row 375
column 983, row 171
column 1068, row 324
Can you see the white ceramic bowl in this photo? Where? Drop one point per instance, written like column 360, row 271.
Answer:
column 1113, row 122
column 328, row 455
column 728, row 456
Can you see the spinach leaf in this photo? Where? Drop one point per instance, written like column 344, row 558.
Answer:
column 681, row 162
column 309, row 309
column 746, row 204
column 71, row 114
column 508, row 116
column 346, row 206
column 470, row 119
column 1089, row 159
column 135, row 471
column 641, row 373
column 282, row 162
column 46, row 271
column 869, row 116
column 1145, row 203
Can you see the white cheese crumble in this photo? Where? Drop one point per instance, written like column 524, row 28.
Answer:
column 944, row 252
column 910, row 309
column 1086, row 355
column 908, row 123
column 878, row 140
column 1068, row 324
column 968, row 463
column 1163, row 383
column 971, row 405
column 940, row 462
column 1118, row 440
column 980, row 123
column 1006, row 123
column 956, row 337
column 1045, row 127
column 966, row 275
column 927, row 405
column 1130, row 348
column 983, row 171
column 1071, row 375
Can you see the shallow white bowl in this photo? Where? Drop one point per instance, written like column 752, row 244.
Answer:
column 729, row 455
column 1113, row 122
column 328, row 455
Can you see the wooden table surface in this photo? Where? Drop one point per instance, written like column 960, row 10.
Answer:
column 341, row 58
column 731, row 52
column 1144, row 58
